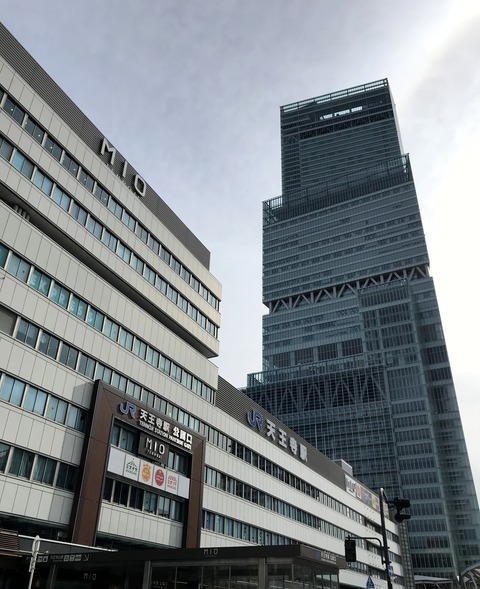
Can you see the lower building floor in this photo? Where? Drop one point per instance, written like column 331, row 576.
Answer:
column 279, row 567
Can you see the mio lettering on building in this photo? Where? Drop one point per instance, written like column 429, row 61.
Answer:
column 139, row 185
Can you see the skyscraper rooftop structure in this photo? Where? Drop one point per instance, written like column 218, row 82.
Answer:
column 354, row 357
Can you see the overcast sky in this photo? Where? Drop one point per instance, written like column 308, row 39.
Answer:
column 189, row 91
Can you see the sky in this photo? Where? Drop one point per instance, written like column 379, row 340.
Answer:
column 189, row 92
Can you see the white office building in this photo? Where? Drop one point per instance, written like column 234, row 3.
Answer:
column 115, row 429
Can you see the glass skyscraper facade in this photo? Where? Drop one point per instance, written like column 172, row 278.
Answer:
column 354, row 357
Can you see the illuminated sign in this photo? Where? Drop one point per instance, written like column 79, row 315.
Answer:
column 139, row 184
column 276, row 434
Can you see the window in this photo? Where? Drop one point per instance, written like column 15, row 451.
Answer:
column 68, row 356
column 53, row 147
column 78, row 213
column 109, row 240
column 94, row 227
column 14, row 110
column 111, row 329
column 18, row 267
column 119, row 381
column 115, row 207
column 12, row 390
column 127, row 440
column 22, row 463
column 61, row 198
column 141, row 232
column 70, row 164
column 149, row 274
column 124, row 252
column 4, row 451
column 44, row 471
column 57, row 410
column 3, row 255
column 86, row 365
column 152, row 357
column 153, row 244
column 150, row 502
column 76, row 418
column 6, row 149
column 139, row 348
column 27, row 333
column 134, row 389
column 136, row 498
column 60, row 295
column 103, row 373
column 48, row 345
column 126, row 339
column 43, row 182
column 161, row 285
column 22, row 164
column 165, row 256
column 136, row 263
column 35, row 130
column 40, row 281
column 172, row 294
column 107, row 489
column 86, row 179
column 101, row 194
column 120, row 493
column 128, row 220
column 78, row 307
column 95, row 318
column 35, row 400
column 67, row 475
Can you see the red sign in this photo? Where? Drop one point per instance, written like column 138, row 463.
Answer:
column 159, row 477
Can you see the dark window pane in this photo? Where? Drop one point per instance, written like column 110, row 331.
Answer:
column 22, row 463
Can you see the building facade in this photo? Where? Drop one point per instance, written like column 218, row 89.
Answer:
column 116, row 431
column 354, row 357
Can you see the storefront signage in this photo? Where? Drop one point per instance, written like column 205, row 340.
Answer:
column 137, row 469
column 157, row 425
column 139, row 185
column 328, row 557
column 276, row 434
column 151, row 447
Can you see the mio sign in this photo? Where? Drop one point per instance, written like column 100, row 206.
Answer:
column 139, row 184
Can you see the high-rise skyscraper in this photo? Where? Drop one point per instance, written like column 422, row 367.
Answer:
column 354, row 357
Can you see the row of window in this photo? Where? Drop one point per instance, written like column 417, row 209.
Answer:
column 243, row 531
column 238, row 488
column 127, row 495
column 30, row 398
column 28, row 169
column 35, row 467
column 258, row 461
column 32, row 127
column 70, row 356
column 58, row 350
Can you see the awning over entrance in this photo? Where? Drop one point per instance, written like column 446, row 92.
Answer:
column 252, row 567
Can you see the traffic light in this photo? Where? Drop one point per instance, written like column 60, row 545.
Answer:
column 350, row 550
column 400, row 505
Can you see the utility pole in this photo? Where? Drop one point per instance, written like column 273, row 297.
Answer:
column 386, row 558
column 399, row 505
